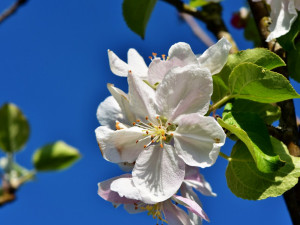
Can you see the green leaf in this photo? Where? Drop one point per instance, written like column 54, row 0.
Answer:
column 247, row 182
column 137, row 13
column 250, row 129
column 268, row 112
column 14, row 128
column 287, row 41
column 258, row 56
column 198, row 3
column 55, row 156
column 249, row 81
column 293, row 63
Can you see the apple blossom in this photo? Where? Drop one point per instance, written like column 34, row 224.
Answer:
column 164, row 211
column 180, row 54
column 170, row 131
column 283, row 14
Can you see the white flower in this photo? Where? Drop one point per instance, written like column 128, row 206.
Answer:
column 165, row 211
column 170, row 130
column 283, row 14
column 180, row 54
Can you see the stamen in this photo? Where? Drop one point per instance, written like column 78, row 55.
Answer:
column 133, row 123
column 146, row 117
column 138, row 121
column 161, row 145
column 163, row 56
column 150, row 57
column 154, row 54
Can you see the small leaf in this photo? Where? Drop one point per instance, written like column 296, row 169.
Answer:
column 14, row 128
column 293, row 62
column 268, row 112
column 55, row 156
column 137, row 13
column 247, row 182
column 258, row 56
column 250, row 129
column 249, row 81
column 198, row 3
column 287, row 41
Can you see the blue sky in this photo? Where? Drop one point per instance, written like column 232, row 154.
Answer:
column 54, row 66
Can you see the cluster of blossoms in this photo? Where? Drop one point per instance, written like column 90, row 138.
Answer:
column 283, row 15
column 159, row 132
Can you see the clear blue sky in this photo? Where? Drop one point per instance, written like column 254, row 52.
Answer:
column 54, row 66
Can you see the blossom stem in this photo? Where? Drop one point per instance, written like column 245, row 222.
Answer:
column 11, row 10
column 219, row 104
column 224, row 156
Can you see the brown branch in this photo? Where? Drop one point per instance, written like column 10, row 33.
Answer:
column 211, row 15
column 288, row 120
column 11, row 10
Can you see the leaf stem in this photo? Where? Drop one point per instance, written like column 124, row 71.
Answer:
column 219, row 104
column 225, row 156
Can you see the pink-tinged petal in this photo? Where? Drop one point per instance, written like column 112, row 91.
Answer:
column 125, row 188
column 158, row 69
column 181, row 54
column 184, row 90
column 158, row 173
column 107, row 194
column 283, row 14
column 117, row 66
column 174, row 215
column 123, row 102
column 132, row 209
column 187, row 192
column 141, row 97
column 198, row 139
column 120, row 145
column 191, row 205
column 297, row 4
column 109, row 112
column 137, row 63
column 215, row 57
column 196, row 180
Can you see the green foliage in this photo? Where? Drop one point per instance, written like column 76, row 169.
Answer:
column 14, row 128
column 287, row 41
column 293, row 62
column 55, row 156
column 250, row 129
column 249, row 81
column 267, row 112
column 258, row 56
column 137, row 13
column 198, row 3
column 246, row 181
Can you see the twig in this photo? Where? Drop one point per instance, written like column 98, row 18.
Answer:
column 198, row 31
column 11, row 10
column 211, row 15
column 288, row 119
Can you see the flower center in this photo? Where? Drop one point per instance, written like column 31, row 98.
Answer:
column 158, row 131
column 156, row 211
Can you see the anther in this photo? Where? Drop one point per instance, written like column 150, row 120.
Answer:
column 164, row 138
column 137, row 141
column 147, row 132
column 161, row 145
column 157, row 117
column 138, row 121
column 146, row 117
column 163, row 56
column 172, row 134
column 154, row 54
column 150, row 124
column 169, row 124
column 150, row 57
column 145, row 146
column 133, row 123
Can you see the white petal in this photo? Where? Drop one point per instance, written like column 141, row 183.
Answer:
column 283, row 14
column 198, row 139
column 191, row 205
column 107, row 194
column 141, row 97
column 123, row 102
column 174, row 215
column 184, row 90
column 215, row 57
column 131, row 208
column 109, row 112
column 117, row 66
column 196, row 180
column 125, row 188
column 120, row 145
column 158, row 173
column 181, row 54
column 158, row 69
column 126, row 167
column 137, row 63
